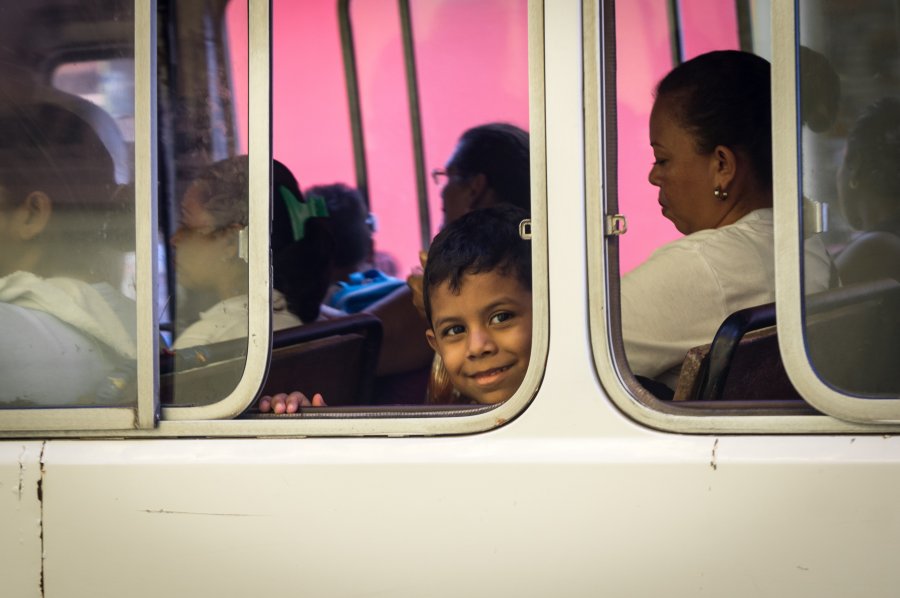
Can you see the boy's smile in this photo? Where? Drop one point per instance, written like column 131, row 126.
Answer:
column 483, row 334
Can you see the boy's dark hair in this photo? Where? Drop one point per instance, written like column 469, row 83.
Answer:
column 480, row 241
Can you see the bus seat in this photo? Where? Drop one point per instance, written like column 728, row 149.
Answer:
column 334, row 357
column 853, row 334
column 744, row 362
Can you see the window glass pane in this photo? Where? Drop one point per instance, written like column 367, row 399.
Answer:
column 66, row 206
column 694, row 181
column 466, row 50
column 107, row 83
column 642, row 62
column 849, row 68
column 472, row 68
column 204, row 203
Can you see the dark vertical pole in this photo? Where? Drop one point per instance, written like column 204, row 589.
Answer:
column 412, row 90
column 352, row 81
column 675, row 28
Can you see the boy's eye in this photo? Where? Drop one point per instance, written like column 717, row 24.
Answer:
column 453, row 330
column 659, row 161
column 501, row 317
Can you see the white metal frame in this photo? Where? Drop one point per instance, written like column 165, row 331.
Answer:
column 788, row 239
column 143, row 415
column 665, row 415
column 259, row 339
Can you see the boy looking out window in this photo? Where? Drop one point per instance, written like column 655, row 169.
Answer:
column 477, row 295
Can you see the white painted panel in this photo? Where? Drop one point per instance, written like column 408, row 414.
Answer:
column 503, row 514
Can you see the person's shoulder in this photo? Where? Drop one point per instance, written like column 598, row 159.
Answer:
column 754, row 228
column 870, row 256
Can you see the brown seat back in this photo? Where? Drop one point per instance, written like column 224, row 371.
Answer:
column 744, row 362
column 334, row 357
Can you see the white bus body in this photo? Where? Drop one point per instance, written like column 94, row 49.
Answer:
column 574, row 488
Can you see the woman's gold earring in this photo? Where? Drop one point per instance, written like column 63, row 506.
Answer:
column 723, row 195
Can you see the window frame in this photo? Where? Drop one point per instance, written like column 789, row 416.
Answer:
column 145, row 412
column 259, row 150
column 789, row 236
column 603, row 273
column 216, row 420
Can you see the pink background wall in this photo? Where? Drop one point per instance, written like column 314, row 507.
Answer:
column 644, row 57
column 472, row 67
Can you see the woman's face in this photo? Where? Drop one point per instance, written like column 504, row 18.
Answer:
column 685, row 178
column 201, row 249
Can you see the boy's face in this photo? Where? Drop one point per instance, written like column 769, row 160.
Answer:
column 483, row 334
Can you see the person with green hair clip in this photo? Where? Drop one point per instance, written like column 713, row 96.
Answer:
column 302, row 252
column 214, row 213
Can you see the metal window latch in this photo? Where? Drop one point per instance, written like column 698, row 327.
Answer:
column 525, row 229
column 616, row 225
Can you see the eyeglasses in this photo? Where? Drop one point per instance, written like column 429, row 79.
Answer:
column 440, row 176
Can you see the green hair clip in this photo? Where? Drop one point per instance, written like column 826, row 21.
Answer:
column 300, row 212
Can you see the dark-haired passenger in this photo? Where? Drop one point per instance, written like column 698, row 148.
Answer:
column 64, row 225
column 710, row 130
column 490, row 166
column 355, row 281
column 214, row 212
column 354, row 248
column 869, row 194
column 303, row 252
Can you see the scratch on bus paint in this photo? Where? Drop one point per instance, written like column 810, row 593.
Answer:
column 40, row 496
column 712, row 462
column 21, row 472
column 169, row 512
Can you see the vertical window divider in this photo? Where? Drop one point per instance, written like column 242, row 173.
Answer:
column 259, row 338
column 146, row 223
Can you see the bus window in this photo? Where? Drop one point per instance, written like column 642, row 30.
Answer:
column 374, row 97
column 753, row 358
column 67, row 209
column 419, row 77
column 849, row 75
column 672, row 295
column 204, row 205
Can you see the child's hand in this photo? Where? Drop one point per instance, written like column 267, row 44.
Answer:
column 416, row 282
column 289, row 403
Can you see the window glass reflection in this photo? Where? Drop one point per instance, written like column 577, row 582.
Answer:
column 849, row 68
column 204, row 204
column 65, row 226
